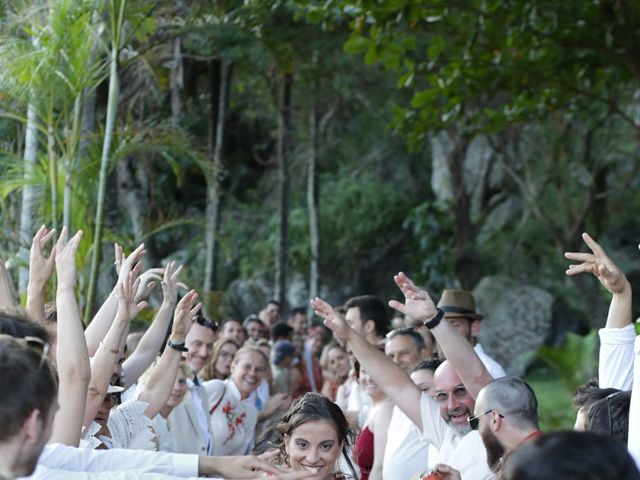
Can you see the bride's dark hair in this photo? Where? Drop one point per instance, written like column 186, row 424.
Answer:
column 308, row 408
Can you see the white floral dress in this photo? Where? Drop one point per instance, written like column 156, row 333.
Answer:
column 233, row 420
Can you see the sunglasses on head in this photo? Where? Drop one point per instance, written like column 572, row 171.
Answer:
column 201, row 320
column 32, row 343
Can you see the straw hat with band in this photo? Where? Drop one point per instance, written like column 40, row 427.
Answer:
column 458, row 304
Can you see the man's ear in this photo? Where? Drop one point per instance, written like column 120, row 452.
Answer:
column 475, row 327
column 369, row 326
column 496, row 423
column 32, row 426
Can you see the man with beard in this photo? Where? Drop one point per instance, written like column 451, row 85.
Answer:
column 506, row 414
column 443, row 418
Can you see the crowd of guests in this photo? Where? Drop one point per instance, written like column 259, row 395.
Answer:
column 274, row 395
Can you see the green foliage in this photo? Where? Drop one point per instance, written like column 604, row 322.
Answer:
column 575, row 362
column 430, row 225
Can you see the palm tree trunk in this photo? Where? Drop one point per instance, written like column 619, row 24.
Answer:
column 28, row 194
column 53, row 172
column 72, row 162
column 282, row 256
column 177, row 82
column 213, row 183
column 112, row 109
column 312, row 198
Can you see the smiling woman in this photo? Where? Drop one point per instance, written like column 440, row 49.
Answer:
column 311, row 436
column 233, row 414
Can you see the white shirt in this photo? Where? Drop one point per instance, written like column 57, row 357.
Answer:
column 633, row 441
column 466, row 454
column 59, row 461
column 406, row 453
column 203, row 418
column 359, row 402
column 160, row 425
column 615, row 368
column 493, row 367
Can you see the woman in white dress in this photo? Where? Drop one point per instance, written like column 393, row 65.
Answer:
column 233, row 414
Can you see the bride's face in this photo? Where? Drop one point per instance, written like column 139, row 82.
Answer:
column 314, row 447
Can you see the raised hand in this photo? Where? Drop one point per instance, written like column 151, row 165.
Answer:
column 65, row 258
column 125, row 264
column 41, row 267
column 599, row 264
column 127, row 305
column 332, row 319
column 183, row 316
column 148, row 281
column 170, row 282
column 417, row 302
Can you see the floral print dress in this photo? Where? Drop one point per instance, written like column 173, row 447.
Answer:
column 233, row 420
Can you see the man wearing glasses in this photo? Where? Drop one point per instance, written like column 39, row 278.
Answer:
column 189, row 421
column 442, row 419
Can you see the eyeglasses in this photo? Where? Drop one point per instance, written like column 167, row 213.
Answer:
column 33, row 343
column 474, row 422
column 201, row 320
column 459, row 393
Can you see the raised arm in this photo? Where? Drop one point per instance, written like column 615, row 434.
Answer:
column 8, row 298
column 150, row 343
column 40, row 271
column 458, row 351
column 103, row 319
column 610, row 276
column 395, row 383
column 634, row 408
column 615, row 367
column 74, row 372
column 158, row 388
column 110, row 350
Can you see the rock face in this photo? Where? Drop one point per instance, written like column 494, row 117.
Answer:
column 517, row 321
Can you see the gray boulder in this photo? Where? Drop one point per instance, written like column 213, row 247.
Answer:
column 518, row 320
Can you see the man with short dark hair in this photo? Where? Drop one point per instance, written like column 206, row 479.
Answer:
column 368, row 316
column 298, row 321
column 27, row 406
column 232, row 328
column 190, row 426
column 270, row 314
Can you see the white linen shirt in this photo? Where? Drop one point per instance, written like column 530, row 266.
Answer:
column 406, row 453
column 59, row 461
column 615, row 367
column 493, row 367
